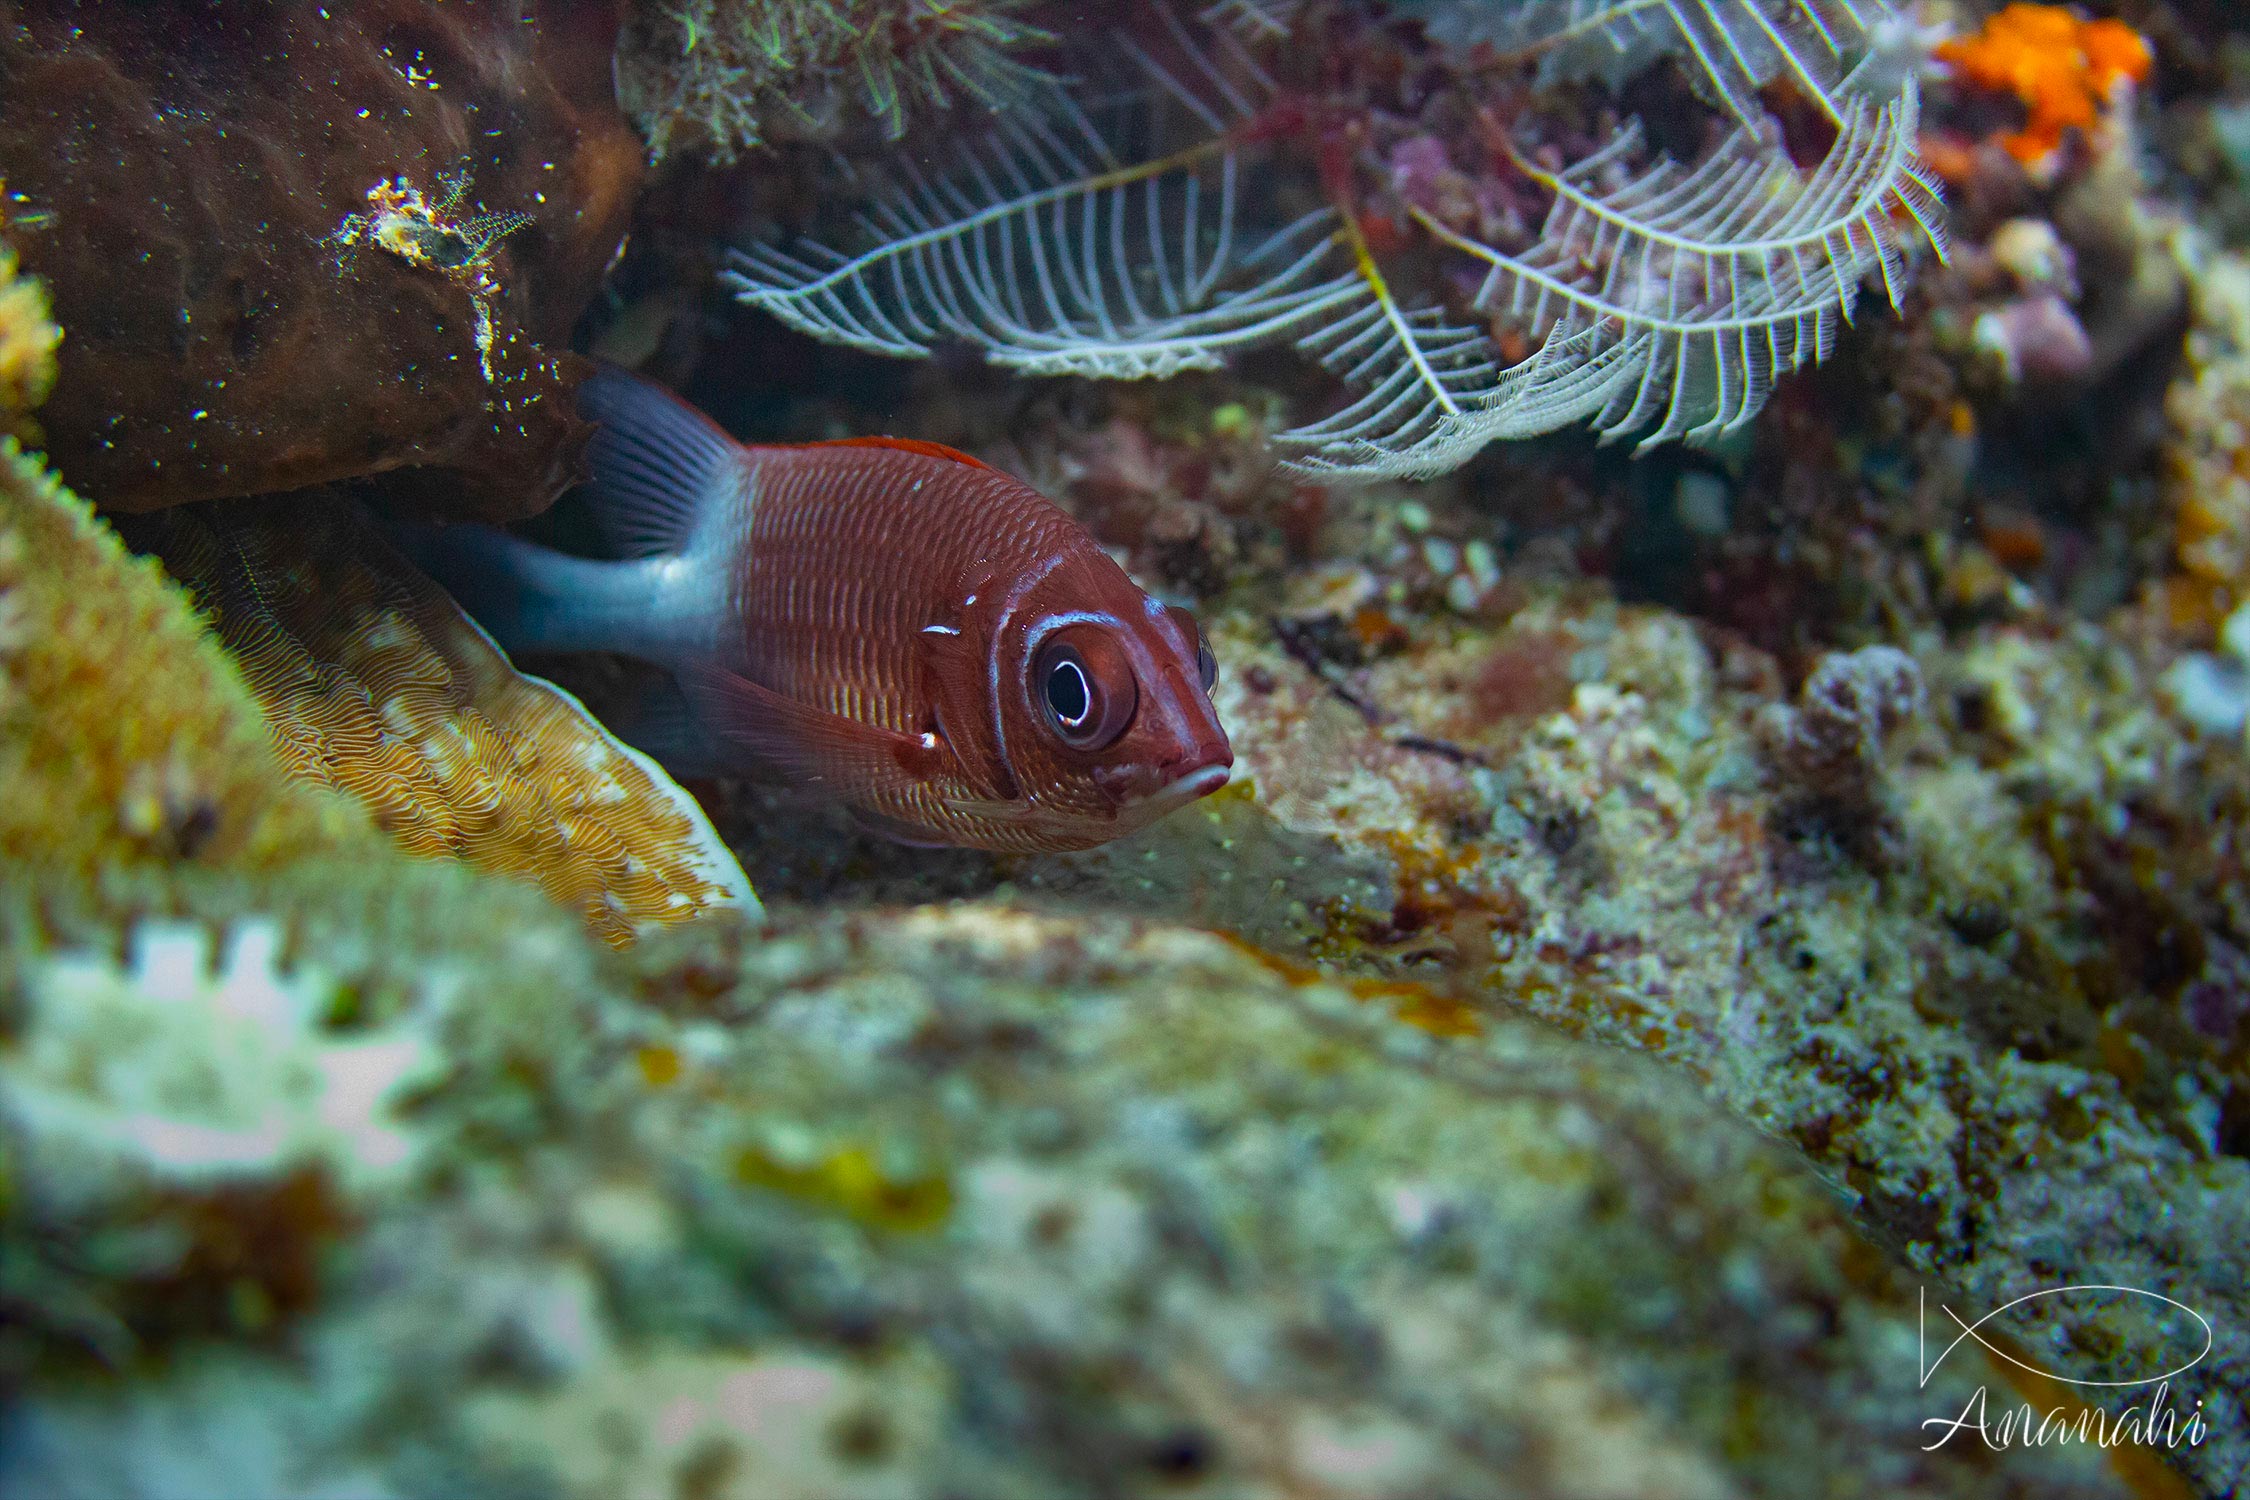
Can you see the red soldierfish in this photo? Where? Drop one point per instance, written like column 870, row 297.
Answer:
column 929, row 639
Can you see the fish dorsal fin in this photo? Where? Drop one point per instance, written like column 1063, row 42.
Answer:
column 906, row 445
column 658, row 462
column 848, row 757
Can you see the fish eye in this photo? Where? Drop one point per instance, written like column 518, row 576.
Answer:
column 1070, row 697
column 1088, row 694
column 1206, row 665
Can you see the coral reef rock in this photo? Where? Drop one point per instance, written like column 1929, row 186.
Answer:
column 1686, row 931
column 2209, row 410
column 377, row 685
column 318, row 245
column 1957, row 976
column 954, row 1201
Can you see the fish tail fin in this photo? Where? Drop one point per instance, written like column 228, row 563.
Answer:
column 658, row 463
column 531, row 598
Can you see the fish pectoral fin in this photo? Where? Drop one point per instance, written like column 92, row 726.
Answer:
column 809, row 742
column 898, row 830
column 987, row 809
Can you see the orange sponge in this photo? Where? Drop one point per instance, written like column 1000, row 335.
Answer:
column 2062, row 66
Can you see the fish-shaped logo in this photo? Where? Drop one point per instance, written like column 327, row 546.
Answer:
column 929, row 639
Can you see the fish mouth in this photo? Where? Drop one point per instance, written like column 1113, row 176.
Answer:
column 1200, row 782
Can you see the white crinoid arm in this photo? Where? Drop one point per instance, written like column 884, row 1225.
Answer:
column 1422, row 380
column 1671, row 303
column 1055, row 249
column 1252, row 19
column 1730, row 48
column 1134, row 240
column 1721, row 278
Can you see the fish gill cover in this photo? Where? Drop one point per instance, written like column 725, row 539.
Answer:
column 1124, row 224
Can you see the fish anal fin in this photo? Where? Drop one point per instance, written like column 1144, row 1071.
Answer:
column 897, row 830
column 906, row 445
column 658, row 463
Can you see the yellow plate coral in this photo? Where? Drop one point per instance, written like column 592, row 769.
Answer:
column 377, row 685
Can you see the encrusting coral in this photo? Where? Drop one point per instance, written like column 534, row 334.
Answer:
column 727, row 75
column 375, row 684
column 126, row 737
